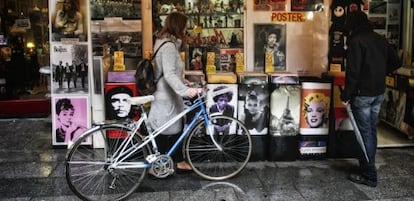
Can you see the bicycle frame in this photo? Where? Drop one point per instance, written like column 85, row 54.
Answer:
column 123, row 154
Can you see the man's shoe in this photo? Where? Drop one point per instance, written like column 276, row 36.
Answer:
column 359, row 179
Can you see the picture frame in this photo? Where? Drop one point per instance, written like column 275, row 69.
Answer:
column 116, row 105
column 66, row 111
column 277, row 50
column 65, row 60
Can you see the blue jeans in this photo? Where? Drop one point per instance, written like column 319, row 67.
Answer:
column 366, row 110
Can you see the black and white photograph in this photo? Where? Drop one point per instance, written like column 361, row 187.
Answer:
column 118, row 35
column 222, row 100
column 285, row 102
column 270, row 43
column 253, row 107
column 69, row 68
column 116, row 104
column 68, row 20
column 130, row 9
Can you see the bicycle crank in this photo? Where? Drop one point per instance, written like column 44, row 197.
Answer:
column 162, row 166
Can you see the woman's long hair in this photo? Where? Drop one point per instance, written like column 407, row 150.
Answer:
column 174, row 27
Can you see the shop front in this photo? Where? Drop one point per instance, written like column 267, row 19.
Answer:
column 277, row 53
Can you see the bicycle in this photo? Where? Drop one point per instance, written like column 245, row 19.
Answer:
column 129, row 150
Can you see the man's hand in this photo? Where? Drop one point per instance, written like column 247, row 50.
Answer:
column 345, row 103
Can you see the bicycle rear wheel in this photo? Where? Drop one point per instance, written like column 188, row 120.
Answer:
column 89, row 172
column 205, row 157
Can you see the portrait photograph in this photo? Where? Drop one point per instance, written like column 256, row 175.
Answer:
column 253, row 107
column 68, row 20
column 222, row 100
column 70, row 68
column 270, row 47
column 316, row 98
column 284, row 109
column 116, row 105
column 70, row 116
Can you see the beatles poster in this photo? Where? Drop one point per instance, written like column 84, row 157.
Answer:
column 70, row 118
column 316, row 98
column 69, row 68
column 285, row 102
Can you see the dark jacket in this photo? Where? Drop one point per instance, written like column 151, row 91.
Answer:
column 369, row 59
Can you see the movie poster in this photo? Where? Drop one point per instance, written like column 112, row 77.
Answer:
column 316, row 98
column 69, row 68
column 253, row 107
column 70, row 118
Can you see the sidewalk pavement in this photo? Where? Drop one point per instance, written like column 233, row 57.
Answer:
column 33, row 170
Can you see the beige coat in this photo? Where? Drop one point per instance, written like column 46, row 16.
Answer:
column 170, row 87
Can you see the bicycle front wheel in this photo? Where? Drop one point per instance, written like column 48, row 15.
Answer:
column 91, row 173
column 224, row 153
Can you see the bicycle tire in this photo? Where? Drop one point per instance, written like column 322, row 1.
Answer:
column 209, row 162
column 87, row 169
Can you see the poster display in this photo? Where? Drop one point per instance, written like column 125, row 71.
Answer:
column 315, row 105
column 222, row 100
column 253, row 107
column 285, row 102
column 70, row 118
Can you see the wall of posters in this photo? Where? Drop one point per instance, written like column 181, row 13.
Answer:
column 70, row 64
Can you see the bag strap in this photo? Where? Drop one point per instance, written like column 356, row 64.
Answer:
column 155, row 53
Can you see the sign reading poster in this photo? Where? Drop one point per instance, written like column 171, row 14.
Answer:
column 70, row 119
column 316, row 98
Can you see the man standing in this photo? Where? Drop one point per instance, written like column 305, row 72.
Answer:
column 369, row 59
